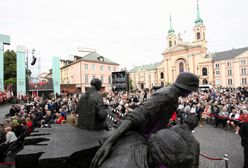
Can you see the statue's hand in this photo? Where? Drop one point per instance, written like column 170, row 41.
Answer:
column 106, row 135
column 101, row 154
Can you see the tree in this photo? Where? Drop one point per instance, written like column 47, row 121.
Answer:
column 9, row 67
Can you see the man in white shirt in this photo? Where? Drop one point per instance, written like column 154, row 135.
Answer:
column 10, row 135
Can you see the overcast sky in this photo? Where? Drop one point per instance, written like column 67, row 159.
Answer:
column 129, row 32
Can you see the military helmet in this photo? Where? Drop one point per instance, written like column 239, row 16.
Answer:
column 187, row 81
column 97, row 83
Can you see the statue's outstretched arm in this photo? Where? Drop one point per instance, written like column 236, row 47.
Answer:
column 106, row 148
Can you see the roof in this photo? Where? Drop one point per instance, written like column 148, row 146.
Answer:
column 181, row 46
column 229, row 54
column 145, row 67
column 93, row 56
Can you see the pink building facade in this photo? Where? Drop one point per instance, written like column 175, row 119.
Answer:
column 83, row 69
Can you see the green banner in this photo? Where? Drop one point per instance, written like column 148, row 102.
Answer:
column 4, row 40
column 20, row 71
column 1, row 68
column 56, row 75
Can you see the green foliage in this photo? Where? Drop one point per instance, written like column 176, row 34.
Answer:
column 9, row 64
column 10, row 68
column 10, row 81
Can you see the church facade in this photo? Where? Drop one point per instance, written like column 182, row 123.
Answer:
column 226, row 68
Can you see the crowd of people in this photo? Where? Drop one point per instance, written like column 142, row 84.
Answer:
column 225, row 106
column 36, row 112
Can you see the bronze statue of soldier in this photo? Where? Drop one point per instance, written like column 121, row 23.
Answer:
column 151, row 116
column 91, row 111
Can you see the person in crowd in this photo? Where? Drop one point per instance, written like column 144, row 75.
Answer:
column 63, row 110
column 18, row 128
column 60, row 118
column 90, row 108
column 199, row 110
column 205, row 117
column 180, row 112
column 72, row 119
column 193, row 109
column 242, row 119
column 50, row 106
column 12, row 111
column 48, row 118
column 215, row 113
column 29, row 124
column 10, row 138
column 223, row 117
column 243, row 132
column 152, row 115
column 233, row 119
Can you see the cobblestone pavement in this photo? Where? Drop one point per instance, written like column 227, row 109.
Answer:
column 215, row 142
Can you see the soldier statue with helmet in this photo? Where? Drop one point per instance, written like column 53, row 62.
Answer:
column 90, row 108
column 151, row 116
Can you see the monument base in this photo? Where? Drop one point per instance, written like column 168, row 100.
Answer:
column 61, row 146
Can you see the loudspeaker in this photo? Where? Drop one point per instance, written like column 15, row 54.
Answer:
column 33, row 61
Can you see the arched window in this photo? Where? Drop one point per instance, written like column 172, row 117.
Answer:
column 205, row 81
column 198, row 36
column 181, row 67
column 170, row 43
column 161, row 75
column 204, row 71
column 142, row 86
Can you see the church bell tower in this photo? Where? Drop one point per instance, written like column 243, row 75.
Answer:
column 171, row 37
column 199, row 29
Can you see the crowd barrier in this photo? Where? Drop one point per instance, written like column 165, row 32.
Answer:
column 7, row 163
column 222, row 117
column 225, row 158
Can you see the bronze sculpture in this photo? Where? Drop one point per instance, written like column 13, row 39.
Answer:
column 174, row 148
column 90, row 108
column 151, row 116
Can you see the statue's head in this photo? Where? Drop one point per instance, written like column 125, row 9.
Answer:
column 169, row 148
column 97, row 83
column 192, row 121
column 187, row 82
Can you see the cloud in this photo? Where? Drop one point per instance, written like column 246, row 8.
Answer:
column 121, row 30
